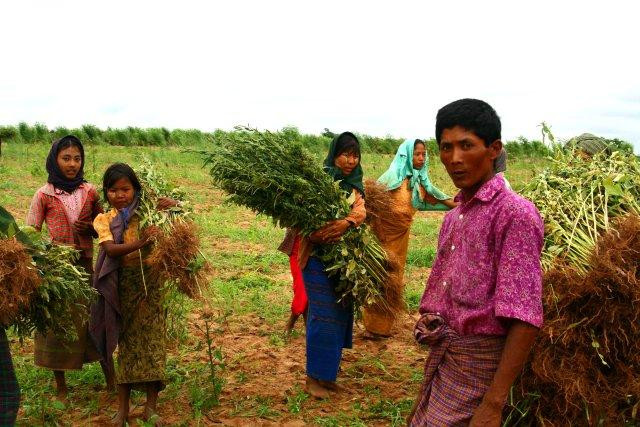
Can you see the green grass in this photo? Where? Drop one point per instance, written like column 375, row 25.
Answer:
column 250, row 281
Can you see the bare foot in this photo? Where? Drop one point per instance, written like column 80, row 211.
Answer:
column 315, row 389
column 63, row 395
column 119, row 420
column 151, row 416
column 333, row 386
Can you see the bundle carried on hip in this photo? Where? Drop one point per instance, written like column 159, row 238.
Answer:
column 585, row 363
column 39, row 282
column 176, row 255
column 278, row 178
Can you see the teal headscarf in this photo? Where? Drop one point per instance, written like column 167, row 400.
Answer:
column 354, row 179
column 402, row 167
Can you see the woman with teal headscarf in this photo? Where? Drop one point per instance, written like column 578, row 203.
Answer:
column 408, row 180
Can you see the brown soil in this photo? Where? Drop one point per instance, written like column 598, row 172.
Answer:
column 255, row 367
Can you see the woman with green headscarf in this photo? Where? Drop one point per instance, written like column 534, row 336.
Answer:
column 329, row 322
column 408, row 180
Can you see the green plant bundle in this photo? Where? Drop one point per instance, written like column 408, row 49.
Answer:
column 279, row 178
column 176, row 256
column 577, row 197
column 154, row 187
column 65, row 290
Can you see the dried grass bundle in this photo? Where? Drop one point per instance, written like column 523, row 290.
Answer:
column 380, row 205
column 18, row 279
column 176, row 256
column 586, row 361
column 379, row 201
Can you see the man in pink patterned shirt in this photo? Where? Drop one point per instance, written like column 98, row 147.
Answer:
column 482, row 306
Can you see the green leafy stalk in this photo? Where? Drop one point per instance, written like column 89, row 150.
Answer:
column 64, row 292
column 276, row 177
column 577, row 196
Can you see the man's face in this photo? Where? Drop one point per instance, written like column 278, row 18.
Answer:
column 469, row 162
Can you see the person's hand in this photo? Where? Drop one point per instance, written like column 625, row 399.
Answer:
column 166, row 203
column 488, row 414
column 150, row 234
column 83, row 227
column 335, row 229
column 428, row 198
column 331, row 232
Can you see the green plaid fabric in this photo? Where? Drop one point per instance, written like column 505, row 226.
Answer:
column 9, row 389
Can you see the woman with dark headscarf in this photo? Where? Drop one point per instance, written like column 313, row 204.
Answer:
column 329, row 322
column 67, row 204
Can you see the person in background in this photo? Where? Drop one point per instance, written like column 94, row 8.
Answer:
column 408, row 181
column 500, row 167
column 329, row 322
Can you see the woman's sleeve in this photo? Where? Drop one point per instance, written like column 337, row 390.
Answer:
column 37, row 211
column 102, row 226
column 358, row 212
column 422, row 204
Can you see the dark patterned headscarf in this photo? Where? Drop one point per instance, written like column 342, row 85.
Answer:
column 56, row 177
column 346, row 141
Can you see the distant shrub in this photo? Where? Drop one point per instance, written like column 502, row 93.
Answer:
column 161, row 137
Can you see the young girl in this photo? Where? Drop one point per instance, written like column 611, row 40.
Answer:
column 129, row 312
column 67, row 204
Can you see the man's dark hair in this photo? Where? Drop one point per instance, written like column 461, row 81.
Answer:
column 473, row 115
column 116, row 172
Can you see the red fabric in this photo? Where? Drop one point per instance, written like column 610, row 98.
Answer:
column 299, row 303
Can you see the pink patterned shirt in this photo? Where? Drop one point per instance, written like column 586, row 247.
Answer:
column 72, row 202
column 487, row 269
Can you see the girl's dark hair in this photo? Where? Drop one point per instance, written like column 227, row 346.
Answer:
column 71, row 141
column 347, row 143
column 118, row 171
column 473, row 115
column 419, row 141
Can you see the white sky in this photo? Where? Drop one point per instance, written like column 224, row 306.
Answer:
column 373, row 67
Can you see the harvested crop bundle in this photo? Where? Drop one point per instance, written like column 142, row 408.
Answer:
column 379, row 204
column 18, row 279
column 577, row 198
column 379, row 201
column 176, row 255
column 62, row 285
column 278, row 178
column 585, row 365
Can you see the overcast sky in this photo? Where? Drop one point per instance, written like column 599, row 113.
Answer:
column 373, row 67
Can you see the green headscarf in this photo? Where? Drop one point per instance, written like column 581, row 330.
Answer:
column 402, row 167
column 354, row 179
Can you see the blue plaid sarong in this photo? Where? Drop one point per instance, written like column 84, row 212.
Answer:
column 329, row 323
column 9, row 389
